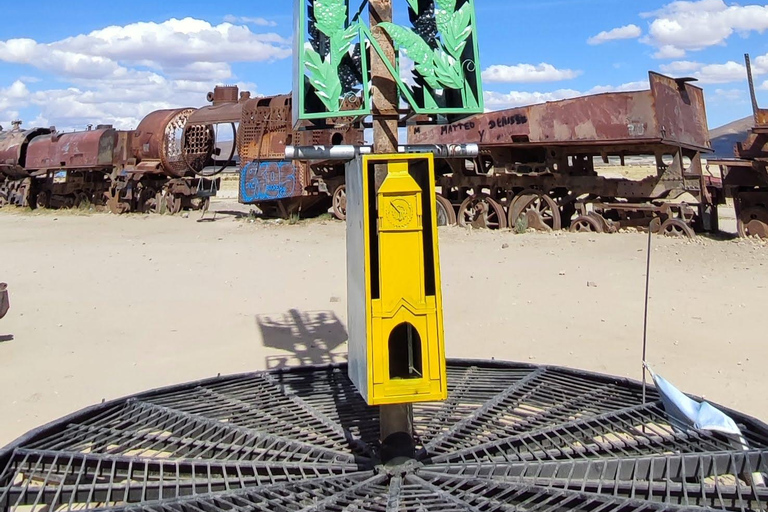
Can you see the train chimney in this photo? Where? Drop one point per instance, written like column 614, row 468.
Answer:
column 16, row 124
column 224, row 94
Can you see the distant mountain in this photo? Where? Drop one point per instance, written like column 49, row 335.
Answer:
column 724, row 139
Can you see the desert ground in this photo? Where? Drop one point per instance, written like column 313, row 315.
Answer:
column 105, row 306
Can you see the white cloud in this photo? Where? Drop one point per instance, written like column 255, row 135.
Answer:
column 625, row 32
column 716, row 73
column 722, row 73
column 680, row 66
column 118, row 74
column 261, row 22
column 501, row 101
column 684, row 26
column 527, row 73
column 728, row 95
column 12, row 98
column 639, row 85
column 669, row 52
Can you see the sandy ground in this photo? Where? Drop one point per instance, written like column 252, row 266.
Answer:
column 105, row 306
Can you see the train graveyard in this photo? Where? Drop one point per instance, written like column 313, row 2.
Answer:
column 111, row 305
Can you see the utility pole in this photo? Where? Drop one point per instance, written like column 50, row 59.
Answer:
column 396, row 421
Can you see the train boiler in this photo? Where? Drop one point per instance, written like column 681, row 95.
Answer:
column 163, row 171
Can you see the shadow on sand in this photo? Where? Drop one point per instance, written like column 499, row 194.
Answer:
column 312, row 337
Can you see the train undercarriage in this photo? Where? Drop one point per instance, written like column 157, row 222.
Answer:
column 125, row 193
column 567, row 191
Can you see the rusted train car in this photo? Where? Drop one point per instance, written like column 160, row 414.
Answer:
column 745, row 177
column 262, row 128
column 157, row 167
column 540, row 165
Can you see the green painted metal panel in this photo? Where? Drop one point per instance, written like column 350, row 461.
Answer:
column 332, row 73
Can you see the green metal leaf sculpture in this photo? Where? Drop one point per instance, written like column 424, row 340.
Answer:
column 439, row 67
column 330, row 16
column 331, row 20
column 455, row 30
column 334, row 54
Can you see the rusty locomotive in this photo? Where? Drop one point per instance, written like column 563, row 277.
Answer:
column 262, row 128
column 540, row 166
column 159, row 167
column 172, row 160
column 745, row 177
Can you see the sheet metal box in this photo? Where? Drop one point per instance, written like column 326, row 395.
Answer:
column 396, row 347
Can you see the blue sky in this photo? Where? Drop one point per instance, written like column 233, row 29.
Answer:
column 83, row 62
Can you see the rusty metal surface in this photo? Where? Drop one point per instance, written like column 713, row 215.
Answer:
column 217, row 114
column 224, row 94
column 227, row 106
column 667, row 113
column 680, row 112
column 78, row 150
column 13, row 148
column 747, row 174
column 163, row 136
column 266, row 128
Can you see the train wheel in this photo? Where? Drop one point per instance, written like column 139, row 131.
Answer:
column 82, row 200
column 340, row 202
column 148, row 201
column 535, row 210
column 677, row 228
column 481, row 211
column 753, row 222
column 586, row 224
column 115, row 205
column 446, row 215
column 43, row 200
column 170, row 204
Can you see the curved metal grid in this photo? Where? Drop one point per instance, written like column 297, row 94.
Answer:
column 510, row 437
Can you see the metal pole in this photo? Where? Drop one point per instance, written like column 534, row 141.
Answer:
column 645, row 315
column 751, row 81
column 396, row 421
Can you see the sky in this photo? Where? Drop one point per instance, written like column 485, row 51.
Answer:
column 93, row 62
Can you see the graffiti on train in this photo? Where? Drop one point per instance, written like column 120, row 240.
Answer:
column 268, row 181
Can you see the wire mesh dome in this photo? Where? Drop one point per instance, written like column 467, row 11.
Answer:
column 510, row 437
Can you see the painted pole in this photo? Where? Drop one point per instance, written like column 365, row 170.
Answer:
column 396, row 421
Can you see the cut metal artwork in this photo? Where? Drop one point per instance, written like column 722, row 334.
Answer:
column 332, row 73
column 509, row 437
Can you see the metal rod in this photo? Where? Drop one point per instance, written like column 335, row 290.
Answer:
column 350, row 152
column 755, row 107
column 645, row 316
column 395, row 421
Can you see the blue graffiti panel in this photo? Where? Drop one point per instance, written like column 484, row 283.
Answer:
column 268, row 181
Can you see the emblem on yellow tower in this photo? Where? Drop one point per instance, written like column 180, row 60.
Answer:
column 400, row 213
